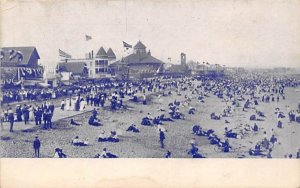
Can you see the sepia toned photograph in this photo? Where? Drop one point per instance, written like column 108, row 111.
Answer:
column 150, row 79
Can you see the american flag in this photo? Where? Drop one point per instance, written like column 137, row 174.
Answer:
column 126, row 45
column 64, row 54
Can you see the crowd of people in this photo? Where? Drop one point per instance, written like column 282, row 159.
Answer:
column 246, row 92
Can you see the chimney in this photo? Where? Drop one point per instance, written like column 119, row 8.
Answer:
column 89, row 55
column 92, row 54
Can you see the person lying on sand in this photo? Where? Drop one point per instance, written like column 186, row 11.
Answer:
column 163, row 118
column 133, row 128
column 105, row 154
column 78, row 142
column 230, row 134
column 113, row 137
column 73, row 122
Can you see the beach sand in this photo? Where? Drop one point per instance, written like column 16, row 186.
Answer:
column 146, row 143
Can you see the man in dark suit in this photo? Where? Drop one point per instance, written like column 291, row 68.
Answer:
column 36, row 147
column 25, row 113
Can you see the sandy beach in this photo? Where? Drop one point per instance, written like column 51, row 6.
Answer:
column 145, row 144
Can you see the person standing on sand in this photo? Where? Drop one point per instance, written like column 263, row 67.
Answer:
column 161, row 138
column 36, row 147
column 11, row 119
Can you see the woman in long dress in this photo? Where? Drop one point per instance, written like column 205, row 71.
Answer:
column 31, row 114
column 67, row 107
column 82, row 105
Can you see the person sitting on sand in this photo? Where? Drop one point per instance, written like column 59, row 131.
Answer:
column 73, row 122
column 113, row 137
column 133, row 128
column 76, row 141
column 157, row 121
column 59, row 153
column 86, row 142
column 255, row 127
column 194, row 151
column 149, row 116
column 260, row 114
column 252, row 117
column 94, row 121
column 224, row 145
column 214, row 139
column 192, row 110
column 214, row 116
column 273, row 139
column 168, row 155
column 105, row 154
column 146, row 121
column 256, row 151
column 298, row 154
column 102, row 137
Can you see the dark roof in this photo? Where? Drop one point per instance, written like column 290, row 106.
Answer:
column 101, row 53
column 139, row 45
column 74, row 67
column 111, row 54
column 137, row 59
column 27, row 53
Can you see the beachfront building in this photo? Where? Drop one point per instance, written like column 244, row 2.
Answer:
column 91, row 67
column 138, row 65
column 19, row 66
column 179, row 70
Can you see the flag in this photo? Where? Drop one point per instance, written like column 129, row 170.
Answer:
column 126, row 45
column 64, row 54
column 87, row 37
column 158, row 70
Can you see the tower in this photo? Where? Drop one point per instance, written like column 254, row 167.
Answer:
column 183, row 59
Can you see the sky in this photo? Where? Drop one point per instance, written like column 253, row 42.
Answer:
column 232, row 33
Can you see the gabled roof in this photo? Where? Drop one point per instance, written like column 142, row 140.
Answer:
column 26, row 53
column 142, row 58
column 74, row 67
column 111, row 54
column 101, row 53
column 139, row 45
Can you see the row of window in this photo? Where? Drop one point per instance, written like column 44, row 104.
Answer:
column 102, row 62
column 101, row 70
